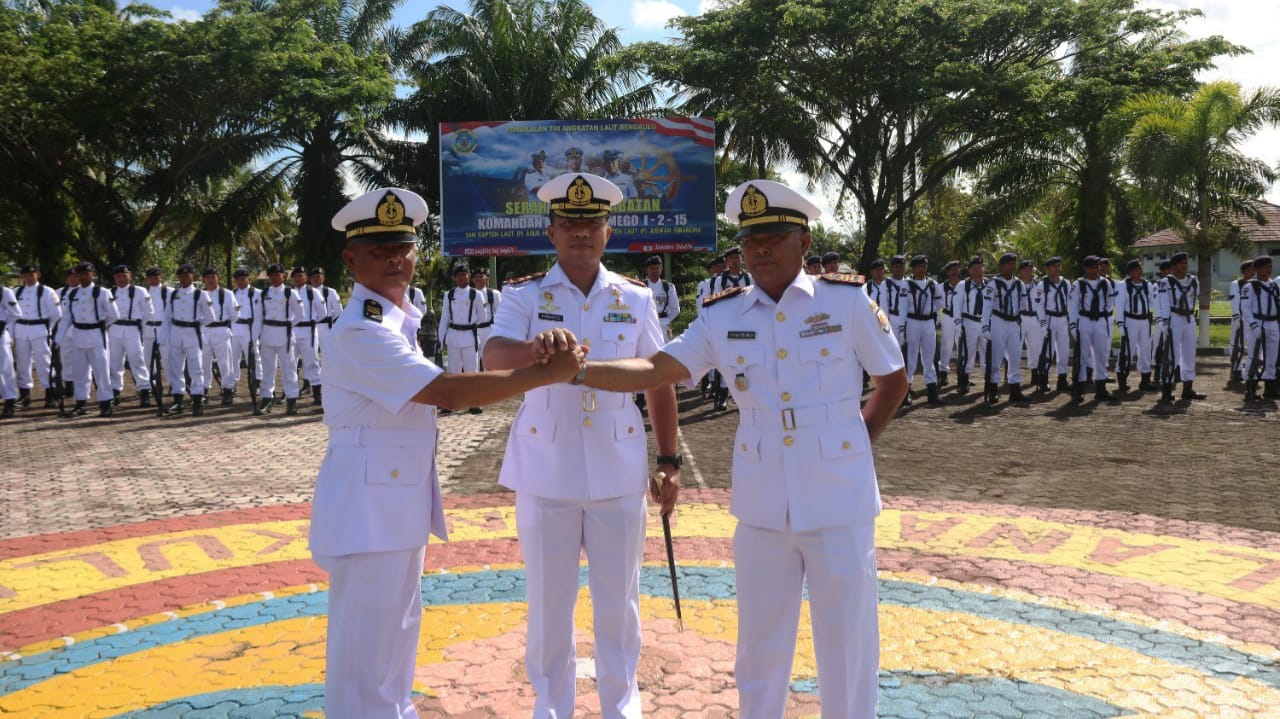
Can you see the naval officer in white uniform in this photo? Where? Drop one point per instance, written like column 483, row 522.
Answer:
column 576, row 457
column 377, row 498
column 804, row 484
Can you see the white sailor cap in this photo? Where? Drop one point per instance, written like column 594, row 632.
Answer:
column 759, row 206
column 580, row 194
column 387, row 214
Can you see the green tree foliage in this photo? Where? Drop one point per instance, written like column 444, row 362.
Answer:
column 1186, row 158
column 111, row 119
column 1116, row 52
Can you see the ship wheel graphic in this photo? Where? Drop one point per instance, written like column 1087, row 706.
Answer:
column 658, row 175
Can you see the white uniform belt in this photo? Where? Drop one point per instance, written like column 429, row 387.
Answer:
column 587, row 400
column 378, row 437
column 795, row 417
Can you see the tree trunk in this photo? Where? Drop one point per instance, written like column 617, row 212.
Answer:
column 1204, row 273
column 875, row 227
column 1092, row 203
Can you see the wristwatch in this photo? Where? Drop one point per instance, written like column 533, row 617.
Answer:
column 675, row 460
column 581, row 376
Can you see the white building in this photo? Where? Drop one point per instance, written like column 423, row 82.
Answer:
column 1226, row 265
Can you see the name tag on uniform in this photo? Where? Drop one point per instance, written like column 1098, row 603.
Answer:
column 550, row 317
column 741, row 335
column 620, row 317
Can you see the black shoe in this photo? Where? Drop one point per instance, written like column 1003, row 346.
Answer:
column 931, row 390
column 115, row 398
column 1015, row 393
column 50, row 397
column 1166, row 394
column 962, row 384
column 197, row 405
column 1100, row 391
column 291, row 406
column 444, row 412
column 9, row 408
column 474, row 410
column 906, row 398
column 722, row 400
column 990, row 392
column 1122, row 386
column 105, row 408
column 80, row 411
column 316, row 394
column 1077, row 391
column 175, row 408
column 24, row 397
column 1271, row 389
column 1063, row 385
column 228, row 397
column 264, row 407
column 1189, row 392
column 1146, row 385
column 942, row 379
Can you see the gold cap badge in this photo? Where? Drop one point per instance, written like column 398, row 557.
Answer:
column 754, row 202
column 390, row 210
column 579, row 193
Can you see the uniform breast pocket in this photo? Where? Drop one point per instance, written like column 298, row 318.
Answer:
column 397, row 465
column 826, row 358
column 845, row 441
column 620, row 339
column 536, row 426
column 744, row 360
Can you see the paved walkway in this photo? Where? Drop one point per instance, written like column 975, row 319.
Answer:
column 1036, row 561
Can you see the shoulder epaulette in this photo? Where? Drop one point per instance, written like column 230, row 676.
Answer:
column 844, row 278
column 526, row 278
column 634, row 281
column 723, row 294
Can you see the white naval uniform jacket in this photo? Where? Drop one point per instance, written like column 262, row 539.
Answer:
column 569, row 442
column 377, row 489
column 42, row 309
column 802, row 453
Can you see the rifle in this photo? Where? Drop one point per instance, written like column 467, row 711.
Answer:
column 1042, row 367
column 1257, row 361
column 1076, row 359
column 1237, row 347
column 1125, row 362
column 255, row 384
column 962, row 356
column 991, row 374
column 55, row 376
column 1168, row 370
column 157, row 369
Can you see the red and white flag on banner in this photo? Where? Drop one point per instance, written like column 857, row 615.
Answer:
column 701, row 129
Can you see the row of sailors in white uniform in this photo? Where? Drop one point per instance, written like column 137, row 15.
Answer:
column 98, row 329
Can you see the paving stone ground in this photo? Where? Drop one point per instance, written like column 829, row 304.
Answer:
column 1041, row 560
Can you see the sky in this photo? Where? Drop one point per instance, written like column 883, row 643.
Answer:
column 1251, row 23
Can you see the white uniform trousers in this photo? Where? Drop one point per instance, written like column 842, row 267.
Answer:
column 306, row 342
column 1182, row 330
column 1139, row 333
column 462, row 355
column 1060, row 343
column 8, row 370
column 484, row 337
column 1006, row 344
column 974, row 344
column 922, row 338
column 88, row 364
column 552, row 535
column 375, row 615
column 286, row 359
column 1269, row 337
column 839, row 566
column 148, row 342
column 1033, row 340
column 126, row 343
column 1095, row 345
column 186, row 355
column 217, row 346
column 240, row 345
column 950, row 335
column 32, row 349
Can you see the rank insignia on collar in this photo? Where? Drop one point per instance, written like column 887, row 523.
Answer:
column 373, row 310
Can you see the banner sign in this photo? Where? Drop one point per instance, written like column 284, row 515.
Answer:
column 490, row 173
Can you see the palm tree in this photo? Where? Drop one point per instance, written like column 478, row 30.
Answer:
column 510, row 60
column 1186, row 159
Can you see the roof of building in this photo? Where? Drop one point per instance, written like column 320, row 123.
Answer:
column 1269, row 232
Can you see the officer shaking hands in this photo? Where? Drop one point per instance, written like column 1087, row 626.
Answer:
column 377, row 498
column 804, row 484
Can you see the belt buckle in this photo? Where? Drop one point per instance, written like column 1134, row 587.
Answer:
column 589, row 401
column 788, row 419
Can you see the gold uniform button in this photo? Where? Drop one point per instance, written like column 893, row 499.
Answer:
column 741, row 359
column 781, row 317
column 586, row 307
column 631, row 430
column 586, row 422
column 786, row 396
column 395, row 473
column 788, row 440
column 825, row 352
column 845, row 445
column 782, row 354
column 621, row 337
column 533, row 430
